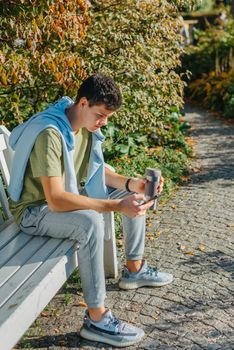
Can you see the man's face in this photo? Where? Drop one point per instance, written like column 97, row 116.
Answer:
column 94, row 117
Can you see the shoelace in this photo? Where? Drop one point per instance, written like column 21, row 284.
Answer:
column 113, row 321
column 151, row 271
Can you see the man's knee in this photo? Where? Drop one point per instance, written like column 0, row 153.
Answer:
column 93, row 224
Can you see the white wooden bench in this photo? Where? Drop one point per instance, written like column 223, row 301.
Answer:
column 33, row 269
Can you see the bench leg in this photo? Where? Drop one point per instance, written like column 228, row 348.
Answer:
column 110, row 256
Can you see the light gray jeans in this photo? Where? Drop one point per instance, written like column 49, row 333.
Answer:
column 87, row 228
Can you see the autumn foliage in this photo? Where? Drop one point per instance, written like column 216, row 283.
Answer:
column 38, row 56
column 49, row 46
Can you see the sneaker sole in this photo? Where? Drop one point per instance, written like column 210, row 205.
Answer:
column 84, row 333
column 125, row 284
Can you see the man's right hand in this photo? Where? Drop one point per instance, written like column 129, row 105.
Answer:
column 131, row 207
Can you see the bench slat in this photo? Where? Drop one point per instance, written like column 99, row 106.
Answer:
column 4, row 201
column 27, row 270
column 4, row 169
column 8, row 153
column 22, row 309
column 8, row 233
column 3, row 164
column 3, row 145
column 21, row 258
column 13, row 247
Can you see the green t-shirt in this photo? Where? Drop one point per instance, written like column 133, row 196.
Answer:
column 46, row 159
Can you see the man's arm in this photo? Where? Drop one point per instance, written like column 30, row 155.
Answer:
column 135, row 185
column 61, row 201
column 118, row 181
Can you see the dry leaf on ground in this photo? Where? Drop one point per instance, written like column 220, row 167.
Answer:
column 189, row 253
column 185, row 178
column 201, row 247
column 151, row 238
column 120, row 243
column 82, row 304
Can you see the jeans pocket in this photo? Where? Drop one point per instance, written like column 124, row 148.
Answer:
column 31, row 218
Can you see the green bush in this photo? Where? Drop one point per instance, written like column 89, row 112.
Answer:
column 163, row 147
column 169, row 133
column 38, row 56
column 137, row 43
column 211, row 63
column 46, row 53
column 213, row 50
column 215, row 92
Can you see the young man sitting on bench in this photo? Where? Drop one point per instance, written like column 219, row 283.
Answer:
column 60, row 188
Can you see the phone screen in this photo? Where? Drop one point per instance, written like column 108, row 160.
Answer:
column 151, row 199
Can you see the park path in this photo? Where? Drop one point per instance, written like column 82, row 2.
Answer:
column 193, row 238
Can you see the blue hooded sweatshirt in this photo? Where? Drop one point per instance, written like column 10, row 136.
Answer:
column 22, row 140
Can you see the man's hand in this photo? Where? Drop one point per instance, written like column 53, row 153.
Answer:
column 160, row 186
column 138, row 185
column 131, row 207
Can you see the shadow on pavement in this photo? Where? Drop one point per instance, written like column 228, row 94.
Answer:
column 65, row 341
column 210, row 261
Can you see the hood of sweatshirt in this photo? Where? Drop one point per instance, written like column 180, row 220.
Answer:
column 53, row 115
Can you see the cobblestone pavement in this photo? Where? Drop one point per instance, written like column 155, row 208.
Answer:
column 194, row 240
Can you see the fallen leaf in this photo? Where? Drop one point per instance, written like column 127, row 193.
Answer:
column 197, row 169
column 189, row 253
column 120, row 242
column 155, row 317
column 191, row 141
column 45, row 314
column 82, row 304
column 173, row 206
column 151, row 238
column 185, row 178
column 193, row 155
column 201, row 247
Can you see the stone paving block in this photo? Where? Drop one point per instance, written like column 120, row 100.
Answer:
column 140, row 298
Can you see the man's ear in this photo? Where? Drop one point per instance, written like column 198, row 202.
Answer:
column 83, row 102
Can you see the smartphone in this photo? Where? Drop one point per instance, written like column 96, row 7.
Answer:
column 149, row 200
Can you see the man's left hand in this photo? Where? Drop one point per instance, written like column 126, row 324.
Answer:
column 138, row 185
